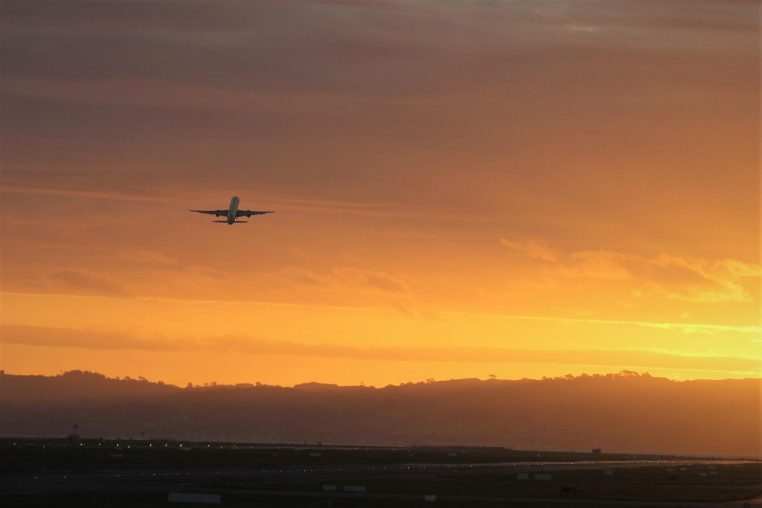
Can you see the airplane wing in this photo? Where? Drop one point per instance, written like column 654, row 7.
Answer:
column 249, row 213
column 218, row 213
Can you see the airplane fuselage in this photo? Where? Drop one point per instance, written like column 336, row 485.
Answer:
column 233, row 209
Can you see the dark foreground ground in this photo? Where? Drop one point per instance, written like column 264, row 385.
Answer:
column 141, row 473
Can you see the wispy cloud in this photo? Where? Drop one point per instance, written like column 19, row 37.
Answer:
column 679, row 278
column 80, row 193
column 531, row 247
column 660, row 325
column 81, row 281
column 151, row 258
column 94, row 339
column 345, row 278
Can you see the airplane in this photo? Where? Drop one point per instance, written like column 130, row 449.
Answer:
column 232, row 213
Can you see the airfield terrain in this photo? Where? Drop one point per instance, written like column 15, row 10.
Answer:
column 94, row 472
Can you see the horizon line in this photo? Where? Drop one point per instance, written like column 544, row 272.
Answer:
column 253, row 384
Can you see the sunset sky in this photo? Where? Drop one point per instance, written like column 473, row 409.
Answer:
column 517, row 188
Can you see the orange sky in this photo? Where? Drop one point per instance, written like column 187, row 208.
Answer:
column 522, row 189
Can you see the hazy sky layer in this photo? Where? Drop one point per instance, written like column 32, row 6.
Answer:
column 519, row 188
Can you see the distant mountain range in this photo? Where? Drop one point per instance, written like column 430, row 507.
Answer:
column 624, row 412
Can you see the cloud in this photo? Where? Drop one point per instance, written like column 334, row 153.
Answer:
column 85, row 282
column 105, row 195
column 376, row 280
column 151, row 258
column 84, row 338
column 595, row 264
column 702, row 280
column 678, row 278
column 109, row 340
column 305, row 277
column 346, row 278
column 531, row 248
column 582, row 28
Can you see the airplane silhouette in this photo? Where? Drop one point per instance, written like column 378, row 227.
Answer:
column 232, row 213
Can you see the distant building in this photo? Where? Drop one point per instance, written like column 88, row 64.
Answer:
column 74, row 436
column 596, row 451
